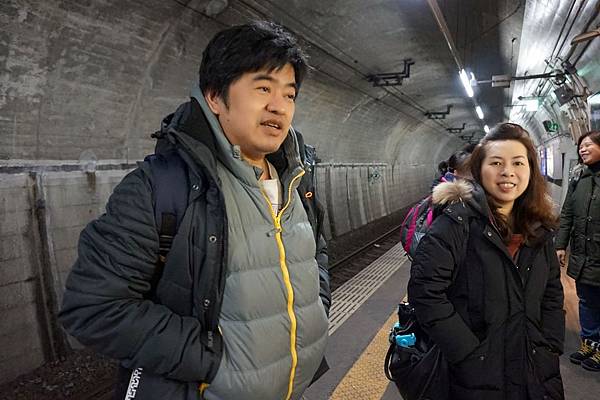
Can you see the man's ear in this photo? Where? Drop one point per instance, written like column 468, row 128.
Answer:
column 215, row 102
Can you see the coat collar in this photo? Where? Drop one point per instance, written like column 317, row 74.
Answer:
column 460, row 194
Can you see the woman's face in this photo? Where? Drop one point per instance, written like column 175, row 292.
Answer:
column 589, row 151
column 505, row 172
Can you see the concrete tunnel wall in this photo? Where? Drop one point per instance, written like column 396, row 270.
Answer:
column 99, row 76
column 95, row 78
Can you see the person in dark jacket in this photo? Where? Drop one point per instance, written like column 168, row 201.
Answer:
column 580, row 225
column 240, row 311
column 485, row 280
column 442, row 171
column 457, row 166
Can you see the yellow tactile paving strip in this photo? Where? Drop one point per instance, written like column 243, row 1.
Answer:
column 366, row 380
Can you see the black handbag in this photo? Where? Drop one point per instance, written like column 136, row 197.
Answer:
column 413, row 362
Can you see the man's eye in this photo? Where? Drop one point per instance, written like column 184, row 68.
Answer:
column 291, row 97
column 264, row 89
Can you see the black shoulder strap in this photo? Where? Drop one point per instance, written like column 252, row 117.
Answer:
column 307, row 190
column 170, row 194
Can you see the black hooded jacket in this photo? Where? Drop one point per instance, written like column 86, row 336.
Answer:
column 580, row 226
column 499, row 323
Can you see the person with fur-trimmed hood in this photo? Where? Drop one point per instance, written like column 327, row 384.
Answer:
column 485, row 280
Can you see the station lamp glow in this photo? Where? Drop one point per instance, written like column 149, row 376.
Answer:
column 467, row 82
column 531, row 104
column 486, row 129
column 479, row 112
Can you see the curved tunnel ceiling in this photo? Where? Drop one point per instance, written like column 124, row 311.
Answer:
column 99, row 77
column 351, row 40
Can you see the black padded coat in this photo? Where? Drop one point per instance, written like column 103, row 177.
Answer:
column 499, row 323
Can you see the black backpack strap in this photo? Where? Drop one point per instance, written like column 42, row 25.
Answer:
column 166, row 231
column 314, row 209
column 170, row 190
column 307, row 188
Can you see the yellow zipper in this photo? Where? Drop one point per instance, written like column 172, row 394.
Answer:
column 286, row 280
column 203, row 386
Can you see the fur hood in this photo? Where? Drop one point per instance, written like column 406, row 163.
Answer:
column 463, row 191
column 458, row 191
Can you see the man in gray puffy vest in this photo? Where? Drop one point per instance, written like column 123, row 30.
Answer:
column 239, row 309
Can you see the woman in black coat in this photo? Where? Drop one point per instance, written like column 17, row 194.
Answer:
column 485, row 280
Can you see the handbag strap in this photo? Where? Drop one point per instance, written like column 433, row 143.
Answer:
column 386, row 363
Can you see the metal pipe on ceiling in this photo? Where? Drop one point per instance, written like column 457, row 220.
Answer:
column 564, row 38
column 585, row 29
column 441, row 21
column 562, row 29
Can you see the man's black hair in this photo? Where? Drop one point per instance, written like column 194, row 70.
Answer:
column 248, row 48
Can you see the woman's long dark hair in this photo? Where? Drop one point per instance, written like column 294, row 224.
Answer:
column 534, row 206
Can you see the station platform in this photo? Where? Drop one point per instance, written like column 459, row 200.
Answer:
column 364, row 309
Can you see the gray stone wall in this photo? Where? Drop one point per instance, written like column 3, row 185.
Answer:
column 20, row 342
column 42, row 213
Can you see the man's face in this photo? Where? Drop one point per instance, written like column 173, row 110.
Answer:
column 259, row 112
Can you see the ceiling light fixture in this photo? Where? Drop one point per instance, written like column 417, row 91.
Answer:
column 531, row 104
column 479, row 112
column 486, row 129
column 466, row 82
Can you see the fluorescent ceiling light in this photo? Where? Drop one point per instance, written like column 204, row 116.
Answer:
column 486, row 128
column 465, row 81
column 594, row 99
column 479, row 112
column 531, row 104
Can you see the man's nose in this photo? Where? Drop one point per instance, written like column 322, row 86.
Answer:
column 277, row 104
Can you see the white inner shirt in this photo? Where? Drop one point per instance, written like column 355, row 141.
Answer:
column 272, row 188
